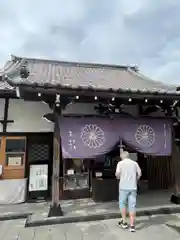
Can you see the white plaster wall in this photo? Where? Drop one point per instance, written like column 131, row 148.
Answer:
column 80, row 108
column 2, row 104
column 27, row 116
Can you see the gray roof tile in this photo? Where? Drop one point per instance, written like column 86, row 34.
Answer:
column 5, row 86
column 83, row 75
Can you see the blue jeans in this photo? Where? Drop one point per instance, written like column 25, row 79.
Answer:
column 127, row 196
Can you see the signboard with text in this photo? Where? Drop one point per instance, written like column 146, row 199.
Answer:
column 38, row 177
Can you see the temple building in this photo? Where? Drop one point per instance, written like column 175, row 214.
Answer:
column 62, row 124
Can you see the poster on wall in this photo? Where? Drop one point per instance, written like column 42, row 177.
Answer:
column 38, row 177
column 14, row 161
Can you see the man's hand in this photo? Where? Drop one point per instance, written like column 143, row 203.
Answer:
column 118, row 170
column 117, row 174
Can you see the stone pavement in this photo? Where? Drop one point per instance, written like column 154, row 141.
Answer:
column 153, row 202
column 149, row 200
column 23, row 210
column 155, row 227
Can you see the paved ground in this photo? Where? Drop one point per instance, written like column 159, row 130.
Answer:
column 147, row 200
column 39, row 207
column 149, row 203
column 154, row 227
column 83, row 207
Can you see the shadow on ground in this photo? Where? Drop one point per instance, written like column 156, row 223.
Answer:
column 158, row 220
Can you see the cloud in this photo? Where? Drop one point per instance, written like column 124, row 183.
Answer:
column 141, row 32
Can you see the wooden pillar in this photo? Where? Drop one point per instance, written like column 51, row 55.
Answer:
column 175, row 198
column 55, row 208
column 5, row 121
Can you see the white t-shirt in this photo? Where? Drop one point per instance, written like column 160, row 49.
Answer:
column 128, row 171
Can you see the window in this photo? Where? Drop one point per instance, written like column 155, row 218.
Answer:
column 15, row 151
column 75, row 174
column 15, row 145
column 107, row 162
column 38, row 152
column 77, row 165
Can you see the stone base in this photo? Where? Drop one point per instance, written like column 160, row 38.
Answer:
column 55, row 211
column 175, row 199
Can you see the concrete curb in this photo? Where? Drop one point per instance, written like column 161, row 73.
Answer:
column 98, row 217
column 14, row 216
column 174, row 228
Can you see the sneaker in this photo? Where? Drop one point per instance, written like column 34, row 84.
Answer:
column 132, row 229
column 122, row 224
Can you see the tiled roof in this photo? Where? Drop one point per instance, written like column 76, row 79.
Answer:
column 84, row 75
column 5, row 86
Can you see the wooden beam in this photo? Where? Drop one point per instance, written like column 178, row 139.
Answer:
column 175, row 198
column 5, row 120
column 110, row 116
column 6, row 107
column 7, row 93
column 100, row 93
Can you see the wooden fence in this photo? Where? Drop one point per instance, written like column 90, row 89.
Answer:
column 160, row 172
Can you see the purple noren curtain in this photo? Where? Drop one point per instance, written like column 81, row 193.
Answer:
column 91, row 137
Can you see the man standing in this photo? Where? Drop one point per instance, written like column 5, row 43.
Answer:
column 128, row 172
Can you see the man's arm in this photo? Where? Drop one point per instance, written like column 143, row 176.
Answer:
column 118, row 170
column 138, row 171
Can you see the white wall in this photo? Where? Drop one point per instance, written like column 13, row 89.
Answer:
column 2, row 104
column 27, row 116
column 80, row 108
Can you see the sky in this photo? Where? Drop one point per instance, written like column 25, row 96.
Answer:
column 145, row 33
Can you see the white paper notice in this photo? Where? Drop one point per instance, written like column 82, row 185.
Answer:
column 70, row 172
column 14, row 161
column 38, row 178
column 98, row 174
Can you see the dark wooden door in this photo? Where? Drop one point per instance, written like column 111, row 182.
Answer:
column 40, row 151
column 142, row 161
